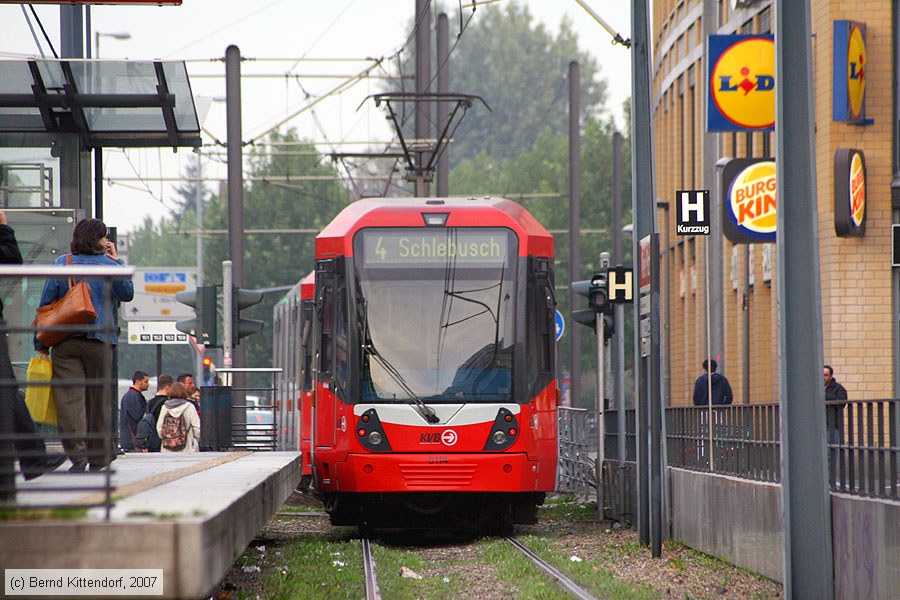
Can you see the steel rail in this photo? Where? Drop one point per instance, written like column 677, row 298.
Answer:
column 563, row 580
column 372, row 591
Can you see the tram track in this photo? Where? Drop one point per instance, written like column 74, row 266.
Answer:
column 548, row 570
column 563, row 580
column 372, row 591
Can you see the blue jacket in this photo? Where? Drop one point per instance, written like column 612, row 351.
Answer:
column 134, row 405
column 721, row 390
column 122, row 291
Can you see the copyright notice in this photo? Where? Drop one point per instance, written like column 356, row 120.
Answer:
column 83, row 582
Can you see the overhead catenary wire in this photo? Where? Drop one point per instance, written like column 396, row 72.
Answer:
column 237, row 21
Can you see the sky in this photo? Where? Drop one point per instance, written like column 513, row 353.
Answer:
column 333, row 38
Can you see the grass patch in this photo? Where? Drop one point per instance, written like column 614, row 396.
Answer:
column 388, row 562
column 587, row 574
column 567, row 508
column 40, row 514
column 316, row 566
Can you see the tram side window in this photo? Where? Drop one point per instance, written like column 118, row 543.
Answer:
column 326, row 349
column 306, row 346
column 341, row 337
column 540, row 334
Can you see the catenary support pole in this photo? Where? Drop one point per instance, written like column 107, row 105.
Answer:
column 644, row 212
column 806, row 501
column 235, row 182
column 574, row 228
column 443, row 115
column 423, row 82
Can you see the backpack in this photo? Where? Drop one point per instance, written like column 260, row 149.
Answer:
column 145, row 436
column 174, row 433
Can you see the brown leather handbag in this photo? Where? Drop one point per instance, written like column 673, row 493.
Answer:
column 75, row 308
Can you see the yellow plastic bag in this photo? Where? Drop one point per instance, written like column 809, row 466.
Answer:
column 39, row 398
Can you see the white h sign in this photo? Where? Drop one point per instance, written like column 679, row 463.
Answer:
column 692, row 212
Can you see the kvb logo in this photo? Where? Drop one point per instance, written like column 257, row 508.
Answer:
column 449, row 437
column 741, row 83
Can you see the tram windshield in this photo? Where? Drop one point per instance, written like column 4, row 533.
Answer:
column 435, row 309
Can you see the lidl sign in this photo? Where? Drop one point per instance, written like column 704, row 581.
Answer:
column 750, row 200
column 849, row 64
column 741, row 83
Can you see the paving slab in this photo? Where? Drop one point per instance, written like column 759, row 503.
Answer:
column 190, row 515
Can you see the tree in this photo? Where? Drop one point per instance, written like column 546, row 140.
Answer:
column 286, row 214
column 541, row 176
column 520, row 69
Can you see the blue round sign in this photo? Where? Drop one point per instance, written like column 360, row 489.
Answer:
column 560, row 325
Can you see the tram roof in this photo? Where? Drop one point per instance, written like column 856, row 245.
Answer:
column 488, row 211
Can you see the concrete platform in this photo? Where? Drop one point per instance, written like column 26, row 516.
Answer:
column 190, row 515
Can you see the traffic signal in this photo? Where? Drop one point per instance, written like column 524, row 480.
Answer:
column 609, row 327
column 208, row 369
column 243, row 327
column 203, row 325
column 595, row 291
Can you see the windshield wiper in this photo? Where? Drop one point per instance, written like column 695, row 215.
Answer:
column 425, row 411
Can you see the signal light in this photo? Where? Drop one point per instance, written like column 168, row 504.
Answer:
column 596, row 291
column 203, row 325
column 242, row 299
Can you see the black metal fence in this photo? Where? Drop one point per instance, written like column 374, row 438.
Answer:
column 863, row 438
column 744, row 440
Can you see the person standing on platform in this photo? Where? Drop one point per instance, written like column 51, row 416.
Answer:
column 134, row 405
column 179, row 424
column 83, row 356
column 146, row 436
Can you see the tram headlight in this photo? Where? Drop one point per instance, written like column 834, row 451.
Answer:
column 371, row 434
column 503, row 433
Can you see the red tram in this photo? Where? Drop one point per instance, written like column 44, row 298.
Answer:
column 434, row 387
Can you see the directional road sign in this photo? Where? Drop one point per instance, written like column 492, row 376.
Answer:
column 155, row 332
column 154, row 294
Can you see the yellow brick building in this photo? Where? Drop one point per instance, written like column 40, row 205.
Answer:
column 858, row 283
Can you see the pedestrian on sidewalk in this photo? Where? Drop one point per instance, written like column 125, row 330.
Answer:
column 721, row 389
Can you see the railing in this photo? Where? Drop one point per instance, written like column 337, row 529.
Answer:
column 863, row 447
column 18, row 440
column 252, row 425
column 745, row 440
column 577, row 453
column 863, row 438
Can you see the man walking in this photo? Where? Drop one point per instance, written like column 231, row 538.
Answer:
column 721, row 389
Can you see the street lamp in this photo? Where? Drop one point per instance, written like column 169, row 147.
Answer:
column 117, row 35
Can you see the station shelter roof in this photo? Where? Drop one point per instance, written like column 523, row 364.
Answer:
column 108, row 103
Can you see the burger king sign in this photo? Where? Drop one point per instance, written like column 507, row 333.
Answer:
column 750, row 200
column 849, row 192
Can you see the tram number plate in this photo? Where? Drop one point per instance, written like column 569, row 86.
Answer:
column 438, row 460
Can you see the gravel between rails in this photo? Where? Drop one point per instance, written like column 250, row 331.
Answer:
column 680, row 573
